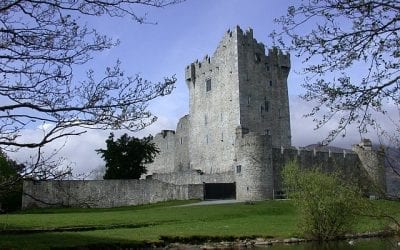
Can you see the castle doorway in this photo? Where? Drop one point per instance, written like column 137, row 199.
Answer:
column 218, row 191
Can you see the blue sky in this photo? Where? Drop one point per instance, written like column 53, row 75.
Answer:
column 185, row 32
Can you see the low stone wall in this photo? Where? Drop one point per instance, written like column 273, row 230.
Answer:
column 104, row 193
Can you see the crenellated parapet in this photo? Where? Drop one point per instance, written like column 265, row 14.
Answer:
column 212, row 63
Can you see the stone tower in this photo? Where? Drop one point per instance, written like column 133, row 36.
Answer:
column 239, row 86
column 254, row 174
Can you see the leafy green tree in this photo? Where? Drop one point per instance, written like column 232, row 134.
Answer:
column 126, row 157
column 328, row 205
column 10, row 183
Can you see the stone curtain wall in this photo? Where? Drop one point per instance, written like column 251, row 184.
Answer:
column 346, row 163
column 104, row 193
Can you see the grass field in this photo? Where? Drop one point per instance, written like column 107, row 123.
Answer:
column 147, row 223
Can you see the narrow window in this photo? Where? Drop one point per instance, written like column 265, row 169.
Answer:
column 248, row 99
column 221, row 117
column 270, row 83
column 205, row 120
column 181, row 140
column 267, row 106
column 208, row 85
column 206, row 139
column 267, row 68
column 257, row 57
column 238, row 168
column 222, row 136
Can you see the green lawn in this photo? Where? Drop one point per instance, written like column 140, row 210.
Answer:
column 131, row 225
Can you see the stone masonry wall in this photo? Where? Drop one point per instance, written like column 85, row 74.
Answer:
column 373, row 162
column 182, row 162
column 346, row 163
column 263, row 92
column 194, row 177
column 254, row 173
column 239, row 85
column 214, row 107
column 104, row 193
column 164, row 162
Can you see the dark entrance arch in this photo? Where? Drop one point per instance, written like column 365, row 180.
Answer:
column 217, row 191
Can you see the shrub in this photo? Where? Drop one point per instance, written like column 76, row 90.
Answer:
column 328, row 204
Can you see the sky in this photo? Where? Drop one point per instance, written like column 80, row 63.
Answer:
column 184, row 33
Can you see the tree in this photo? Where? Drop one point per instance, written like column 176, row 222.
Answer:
column 336, row 38
column 328, row 205
column 10, row 184
column 42, row 43
column 126, row 157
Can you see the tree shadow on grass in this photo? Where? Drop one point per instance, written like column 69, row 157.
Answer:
column 70, row 240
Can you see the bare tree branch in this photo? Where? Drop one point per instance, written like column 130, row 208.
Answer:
column 337, row 38
column 42, row 43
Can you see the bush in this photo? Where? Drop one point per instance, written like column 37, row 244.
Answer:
column 328, row 204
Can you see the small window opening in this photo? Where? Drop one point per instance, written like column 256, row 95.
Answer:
column 270, row 83
column 248, row 99
column 206, row 139
column 257, row 57
column 205, row 120
column 266, row 106
column 238, row 168
column 267, row 67
column 181, row 140
column 208, row 85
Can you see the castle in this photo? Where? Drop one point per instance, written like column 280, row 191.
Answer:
column 232, row 144
column 237, row 131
